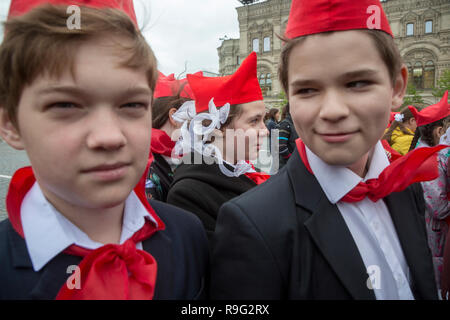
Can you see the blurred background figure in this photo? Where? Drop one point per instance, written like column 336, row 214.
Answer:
column 271, row 121
column 401, row 132
column 287, row 137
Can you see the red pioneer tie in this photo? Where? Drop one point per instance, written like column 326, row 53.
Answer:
column 109, row 272
column 416, row 166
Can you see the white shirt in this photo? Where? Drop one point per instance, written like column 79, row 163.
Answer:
column 370, row 224
column 47, row 232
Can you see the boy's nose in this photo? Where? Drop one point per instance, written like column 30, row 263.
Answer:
column 105, row 131
column 333, row 107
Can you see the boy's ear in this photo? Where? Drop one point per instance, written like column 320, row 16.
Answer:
column 400, row 84
column 9, row 132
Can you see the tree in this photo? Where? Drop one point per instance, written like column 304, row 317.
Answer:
column 411, row 97
column 282, row 96
column 443, row 84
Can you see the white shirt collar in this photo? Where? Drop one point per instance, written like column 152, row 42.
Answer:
column 337, row 181
column 47, row 232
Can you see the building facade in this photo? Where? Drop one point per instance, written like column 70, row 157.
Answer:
column 421, row 29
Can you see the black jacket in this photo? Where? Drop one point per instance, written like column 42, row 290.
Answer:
column 203, row 188
column 181, row 251
column 286, row 139
column 159, row 178
column 285, row 240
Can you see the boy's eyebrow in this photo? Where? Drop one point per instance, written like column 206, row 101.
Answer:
column 360, row 73
column 347, row 75
column 77, row 91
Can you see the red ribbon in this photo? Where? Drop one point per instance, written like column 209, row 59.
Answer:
column 161, row 143
column 109, row 272
column 257, row 177
column 416, row 166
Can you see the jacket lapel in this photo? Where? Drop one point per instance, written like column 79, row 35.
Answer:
column 329, row 230
column 46, row 283
column 410, row 226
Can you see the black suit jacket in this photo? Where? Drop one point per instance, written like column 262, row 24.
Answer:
column 285, row 240
column 181, row 252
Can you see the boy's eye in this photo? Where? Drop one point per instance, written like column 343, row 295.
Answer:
column 135, row 105
column 63, row 105
column 358, row 84
column 306, row 91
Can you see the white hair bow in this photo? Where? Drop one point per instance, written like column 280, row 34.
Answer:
column 399, row 117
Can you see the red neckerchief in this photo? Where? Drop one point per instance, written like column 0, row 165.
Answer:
column 257, row 177
column 161, row 143
column 109, row 272
column 416, row 166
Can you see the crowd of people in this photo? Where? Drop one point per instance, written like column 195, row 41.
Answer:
column 145, row 183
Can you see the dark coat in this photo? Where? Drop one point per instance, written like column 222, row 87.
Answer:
column 159, row 179
column 203, row 188
column 181, row 251
column 285, row 240
column 286, row 139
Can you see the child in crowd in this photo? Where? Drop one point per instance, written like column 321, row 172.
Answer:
column 345, row 224
column 401, row 132
column 169, row 95
column 222, row 130
column 79, row 102
column 433, row 122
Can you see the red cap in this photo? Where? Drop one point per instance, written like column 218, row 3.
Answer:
column 432, row 113
column 167, row 86
column 315, row 16
column 240, row 87
column 20, row 7
column 164, row 86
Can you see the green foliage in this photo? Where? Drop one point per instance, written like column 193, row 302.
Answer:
column 443, row 84
column 283, row 102
column 411, row 97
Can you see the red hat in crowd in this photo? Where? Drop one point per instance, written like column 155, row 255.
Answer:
column 240, row 87
column 164, row 86
column 20, row 7
column 432, row 113
column 167, row 86
column 316, row 16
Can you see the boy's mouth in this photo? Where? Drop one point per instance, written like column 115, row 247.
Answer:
column 337, row 137
column 108, row 172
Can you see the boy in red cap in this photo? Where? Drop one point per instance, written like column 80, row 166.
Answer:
column 338, row 222
column 79, row 102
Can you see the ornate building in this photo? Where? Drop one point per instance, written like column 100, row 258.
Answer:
column 421, row 29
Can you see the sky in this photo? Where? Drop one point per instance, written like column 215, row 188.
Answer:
column 181, row 32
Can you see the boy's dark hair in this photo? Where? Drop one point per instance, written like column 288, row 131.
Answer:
column 40, row 42
column 384, row 43
column 425, row 132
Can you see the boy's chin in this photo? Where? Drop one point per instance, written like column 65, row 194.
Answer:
column 107, row 200
column 343, row 160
